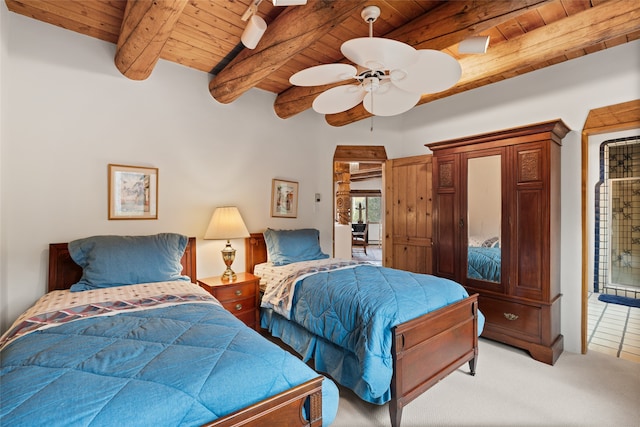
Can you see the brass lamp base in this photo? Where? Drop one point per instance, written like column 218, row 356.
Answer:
column 228, row 255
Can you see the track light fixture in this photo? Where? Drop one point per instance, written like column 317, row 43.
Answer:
column 256, row 26
column 477, row 44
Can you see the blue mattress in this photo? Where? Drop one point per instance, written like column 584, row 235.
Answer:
column 343, row 319
column 181, row 365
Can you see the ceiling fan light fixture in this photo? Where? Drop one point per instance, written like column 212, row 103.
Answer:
column 371, row 84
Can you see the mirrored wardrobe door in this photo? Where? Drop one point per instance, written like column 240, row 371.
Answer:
column 484, row 220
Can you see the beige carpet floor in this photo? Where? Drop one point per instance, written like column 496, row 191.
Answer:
column 512, row 389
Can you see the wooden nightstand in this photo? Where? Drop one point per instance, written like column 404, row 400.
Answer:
column 239, row 296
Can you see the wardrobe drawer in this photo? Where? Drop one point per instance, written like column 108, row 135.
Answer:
column 511, row 317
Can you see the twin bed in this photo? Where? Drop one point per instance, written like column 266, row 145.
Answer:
column 159, row 352
column 389, row 335
column 146, row 346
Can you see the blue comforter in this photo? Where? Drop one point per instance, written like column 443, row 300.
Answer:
column 181, row 365
column 349, row 314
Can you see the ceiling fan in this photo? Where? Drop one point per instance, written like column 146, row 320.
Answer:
column 392, row 76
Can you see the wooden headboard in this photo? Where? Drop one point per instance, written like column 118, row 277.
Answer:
column 64, row 272
column 255, row 250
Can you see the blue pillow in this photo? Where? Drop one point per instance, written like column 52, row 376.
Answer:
column 109, row 261
column 287, row 246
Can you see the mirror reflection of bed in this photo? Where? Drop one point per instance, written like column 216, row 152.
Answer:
column 484, row 218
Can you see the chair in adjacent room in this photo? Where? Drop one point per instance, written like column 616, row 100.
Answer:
column 359, row 236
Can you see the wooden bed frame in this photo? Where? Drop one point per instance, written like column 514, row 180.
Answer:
column 424, row 350
column 283, row 409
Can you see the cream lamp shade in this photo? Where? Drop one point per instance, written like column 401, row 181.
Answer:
column 226, row 223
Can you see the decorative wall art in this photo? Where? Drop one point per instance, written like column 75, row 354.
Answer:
column 133, row 192
column 284, row 198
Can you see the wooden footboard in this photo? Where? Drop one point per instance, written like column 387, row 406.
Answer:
column 425, row 349
column 281, row 410
column 430, row 347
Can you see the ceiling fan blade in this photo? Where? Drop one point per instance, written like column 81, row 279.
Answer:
column 338, row 99
column 388, row 100
column 323, row 75
column 433, row 71
column 376, row 53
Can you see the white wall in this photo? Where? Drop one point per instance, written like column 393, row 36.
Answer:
column 3, row 242
column 67, row 112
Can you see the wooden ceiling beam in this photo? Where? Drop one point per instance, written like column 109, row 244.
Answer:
column 146, row 27
column 292, row 31
column 600, row 23
column 439, row 29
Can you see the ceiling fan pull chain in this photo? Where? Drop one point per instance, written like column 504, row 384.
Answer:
column 372, row 116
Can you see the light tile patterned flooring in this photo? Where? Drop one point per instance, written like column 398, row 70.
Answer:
column 613, row 329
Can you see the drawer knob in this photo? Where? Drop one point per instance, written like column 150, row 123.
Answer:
column 238, row 307
column 239, row 292
column 510, row 316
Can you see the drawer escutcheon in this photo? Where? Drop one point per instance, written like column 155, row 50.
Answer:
column 510, row 316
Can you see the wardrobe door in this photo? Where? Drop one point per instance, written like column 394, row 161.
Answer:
column 447, row 219
column 483, row 207
column 530, row 221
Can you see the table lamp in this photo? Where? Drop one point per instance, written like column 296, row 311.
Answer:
column 226, row 223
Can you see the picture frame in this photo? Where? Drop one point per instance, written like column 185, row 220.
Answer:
column 133, row 192
column 284, row 198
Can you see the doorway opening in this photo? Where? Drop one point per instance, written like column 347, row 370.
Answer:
column 358, row 203
column 617, row 219
column 602, row 124
column 366, row 222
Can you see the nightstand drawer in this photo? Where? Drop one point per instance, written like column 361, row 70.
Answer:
column 239, row 305
column 239, row 297
column 233, row 292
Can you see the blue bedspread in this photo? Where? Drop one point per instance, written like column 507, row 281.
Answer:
column 484, row 263
column 181, row 365
column 349, row 314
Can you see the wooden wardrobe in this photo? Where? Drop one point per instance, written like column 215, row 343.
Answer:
column 501, row 190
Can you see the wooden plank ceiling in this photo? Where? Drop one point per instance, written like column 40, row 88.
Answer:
column 525, row 35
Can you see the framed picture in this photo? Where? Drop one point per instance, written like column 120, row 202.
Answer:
column 133, row 192
column 284, row 198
